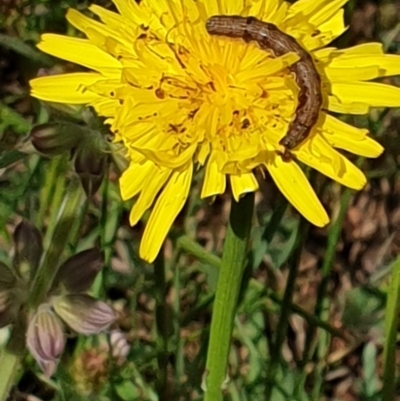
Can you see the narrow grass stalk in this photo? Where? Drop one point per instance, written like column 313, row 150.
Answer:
column 320, row 312
column 334, row 234
column 389, row 351
column 281, row 329
column 333, row 239
column 179, row 368
column 228, row 287
column 163, row 327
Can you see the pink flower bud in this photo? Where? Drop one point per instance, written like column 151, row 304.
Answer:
column 45, row 339
column 83, row 313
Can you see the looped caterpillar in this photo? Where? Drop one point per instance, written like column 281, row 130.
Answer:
column 268, row 36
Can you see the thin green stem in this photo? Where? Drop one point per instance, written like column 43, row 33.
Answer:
column 55, row 175
column 228, row 287
column 55, row 245
column 179, row 367
column 285, row 312
column 334, row 233
column 391, row 321
column 193, row 248
column 333, row 239
column 163, row 327
column 311, row 319
column 275, row 221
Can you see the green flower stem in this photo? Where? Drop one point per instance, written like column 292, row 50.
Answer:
column 281, row 329
column 228, row 287
column 55, row 244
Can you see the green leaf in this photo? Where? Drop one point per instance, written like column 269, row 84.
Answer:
column 19, row 46
column 370, row 377
column 127, row 391
column 11, row 157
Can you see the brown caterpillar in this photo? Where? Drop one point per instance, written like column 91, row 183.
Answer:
column 268, row 36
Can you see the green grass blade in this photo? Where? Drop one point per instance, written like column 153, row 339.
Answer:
column 389, row 352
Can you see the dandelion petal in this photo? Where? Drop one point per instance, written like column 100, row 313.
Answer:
column 167, row 207
column 293, row 183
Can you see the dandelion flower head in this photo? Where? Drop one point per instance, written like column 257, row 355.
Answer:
column 179, row 99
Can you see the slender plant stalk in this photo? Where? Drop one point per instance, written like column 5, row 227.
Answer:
column 228, row 287
column 389, row 351
column 179, row 367
column 334, row 234
column 193, row 248
column 333, row 239
column 56, row 200
column 55, row 175
column 275, row 221
column 55, row 245
column 163, row 327
column 311, row 319
column 281, row 329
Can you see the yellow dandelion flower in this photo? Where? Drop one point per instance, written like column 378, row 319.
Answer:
column 179, row 99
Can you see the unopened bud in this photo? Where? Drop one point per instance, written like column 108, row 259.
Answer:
column 45, row 339
column 83, row 313
column 28, row 249
column 78, row 272
column 90, row 165
column 7, row 278
column 52, row 139
column 119, row 345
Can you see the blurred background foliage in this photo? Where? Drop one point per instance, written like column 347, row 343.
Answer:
column 336, row 345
